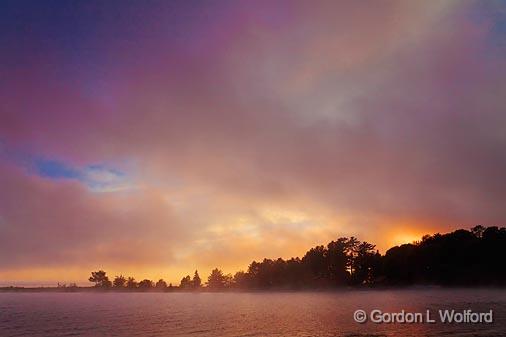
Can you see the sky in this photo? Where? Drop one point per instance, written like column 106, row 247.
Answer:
column 153, row 138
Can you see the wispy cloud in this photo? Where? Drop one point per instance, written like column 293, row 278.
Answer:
column 97, row 177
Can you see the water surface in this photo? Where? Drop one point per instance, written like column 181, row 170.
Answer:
column 241, row 314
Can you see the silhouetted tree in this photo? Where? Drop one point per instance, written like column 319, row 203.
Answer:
column 462, row 257
column 119, row 281
column 131, row 283
column 352, row 245
column 478, row 231
column 145, row 284
column 297, row 274
column 458, row 258
column 196, row 282
column 316, row 260
column 186, row 282
column 217, row 280
column 100, row 279
column 338, row 260
column 364, row 263
column 161, row 285
column 241, row 280
column 229, row 280
column 397, row 264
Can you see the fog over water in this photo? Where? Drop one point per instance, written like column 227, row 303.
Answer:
column 243, row 314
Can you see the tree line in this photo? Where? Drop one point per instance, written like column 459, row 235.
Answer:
column 461, row 258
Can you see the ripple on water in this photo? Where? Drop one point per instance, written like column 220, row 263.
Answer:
column 240, row 314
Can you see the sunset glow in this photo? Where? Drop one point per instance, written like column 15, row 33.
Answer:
column 159, row 139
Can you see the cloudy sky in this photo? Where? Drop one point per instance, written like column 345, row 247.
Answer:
column 151, row 138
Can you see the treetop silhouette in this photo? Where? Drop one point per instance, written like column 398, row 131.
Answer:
column 463, row 257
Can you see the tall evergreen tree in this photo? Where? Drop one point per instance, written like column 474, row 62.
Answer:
column 197, row 282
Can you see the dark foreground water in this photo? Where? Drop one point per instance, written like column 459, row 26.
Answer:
column 243, row 314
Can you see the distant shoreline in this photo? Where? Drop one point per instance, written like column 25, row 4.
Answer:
column 469, row 259
column 314, row 290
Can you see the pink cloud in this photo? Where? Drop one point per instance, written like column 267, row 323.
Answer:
column 363, row 118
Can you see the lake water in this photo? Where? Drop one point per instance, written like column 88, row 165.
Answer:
column 242, row 314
